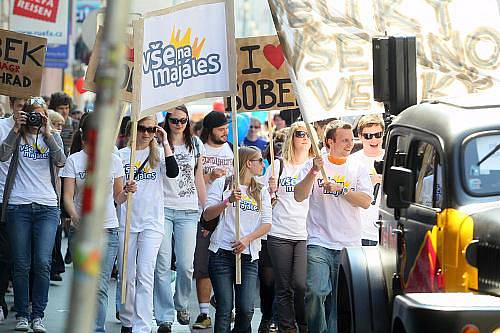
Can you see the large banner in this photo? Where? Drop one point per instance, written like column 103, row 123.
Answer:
column 127, row 78
column 184, row 53
column 328, row 45
column 263, row 80
column 21, row 64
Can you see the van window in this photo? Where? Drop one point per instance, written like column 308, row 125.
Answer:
column 429, row 184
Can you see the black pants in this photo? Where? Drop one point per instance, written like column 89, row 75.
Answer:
column 266, row 280
column 57, row 258
column 289, row 260
column 5, row 263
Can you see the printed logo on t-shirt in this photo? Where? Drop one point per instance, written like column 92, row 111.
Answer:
column 82, row 174
column 248, row 203
column 288, row 183
column 336, row 179
column 34, row 152
column 212, row 162
column 145, row 174
column 185, row 180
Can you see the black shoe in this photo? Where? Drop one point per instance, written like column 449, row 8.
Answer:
column 164, row 328
column 213, row 302
column 264, row 326
column 126, row 329
column 117, row 316
column 5, row 309
column 67, row 258
column 55, row 277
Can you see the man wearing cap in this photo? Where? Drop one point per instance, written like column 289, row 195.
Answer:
column 217, row 162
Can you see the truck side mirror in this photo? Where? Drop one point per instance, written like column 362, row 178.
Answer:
column 398, row 186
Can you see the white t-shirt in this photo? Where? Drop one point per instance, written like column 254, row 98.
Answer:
column 250, row 218
column 76, row 168
column 180, row 193
column 369, row 217
column 220, row 157
column 6, row 125
column 147, row 210
column 332, row 222
column 33, row 181
column 289, row 216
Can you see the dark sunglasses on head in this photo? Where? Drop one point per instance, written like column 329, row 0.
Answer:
column 260, row 160
column 176, row 121
column 301, row 134
column 35, row 100
column 144, row 129
column 369, row 136
column 254, row 127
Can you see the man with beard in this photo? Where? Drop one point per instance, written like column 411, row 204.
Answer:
column 217, row 162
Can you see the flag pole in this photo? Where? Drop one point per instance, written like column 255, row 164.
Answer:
column 89, row 240
column 236, row 182
column 271, row 142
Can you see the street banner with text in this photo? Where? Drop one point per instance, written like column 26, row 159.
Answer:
column 22, row 60
column 263, row 80
column 184, row 53
column 328, row 46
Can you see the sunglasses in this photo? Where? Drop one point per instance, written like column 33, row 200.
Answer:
column 254, row 127
column 35, row 100
column 301, row 134
column 369, row 136
column 260, row 160
column 176, row 121
column 144, row 129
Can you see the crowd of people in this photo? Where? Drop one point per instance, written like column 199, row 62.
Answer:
column 293, row 221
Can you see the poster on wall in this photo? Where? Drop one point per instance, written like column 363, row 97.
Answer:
column 21, row 64
column 263, row 80
column 184, row 53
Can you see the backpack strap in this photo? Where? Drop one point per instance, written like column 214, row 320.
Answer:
column 280, row 172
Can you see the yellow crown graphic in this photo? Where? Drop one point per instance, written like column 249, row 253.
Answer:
column 341, row 179
column 247, row 198
column 39, row 148
column 177, row 42
column 145, row 169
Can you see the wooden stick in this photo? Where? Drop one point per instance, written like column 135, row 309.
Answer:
column 271, row 142
column 133, row 149
column 236, row 182
column 120, row 119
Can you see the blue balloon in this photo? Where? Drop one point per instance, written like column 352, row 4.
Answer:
column 243, row 126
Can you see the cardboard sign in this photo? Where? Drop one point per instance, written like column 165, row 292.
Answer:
column 263, row 81
column 184, row 53
column 127, row 78
column 21, row 64
column 328, row 46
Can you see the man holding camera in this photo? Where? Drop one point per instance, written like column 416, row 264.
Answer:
column 371, row 134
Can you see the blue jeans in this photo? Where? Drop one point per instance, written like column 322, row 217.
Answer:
column 222, row 271
column 32, row 231
column 321, row 284
column 107, row 262
column 183, row 224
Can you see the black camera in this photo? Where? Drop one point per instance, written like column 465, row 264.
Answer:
column 34, row 119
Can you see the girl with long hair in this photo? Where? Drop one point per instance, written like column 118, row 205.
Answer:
column 30, row 206
column 183, row 196
column 255, row 221
column 152, row 166
column 73, row 175
column 286, row 242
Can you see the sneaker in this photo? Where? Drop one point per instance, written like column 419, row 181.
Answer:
column 38, row 326
column 203, row 321
column 273, row 328
column 67, row 258
column 22, row 325
column 126, row 329
column 165, row 328
column 183, row 317
column 264, row 326
column 55, row 277
column 213, row 302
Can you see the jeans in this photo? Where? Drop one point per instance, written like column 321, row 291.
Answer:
column 32, row 231
column 183, row 225
column 321, row 284
column 107, row 262
column 289, row 258
column 222, row 270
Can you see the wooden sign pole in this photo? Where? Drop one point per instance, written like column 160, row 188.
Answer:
column 236, row 182
column 271, row 141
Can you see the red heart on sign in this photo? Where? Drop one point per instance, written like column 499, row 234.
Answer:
column 274, row 54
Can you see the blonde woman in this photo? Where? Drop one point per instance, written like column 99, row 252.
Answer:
column 286, row 242
column 255, row 221
column 146, row 230
column 30, row 207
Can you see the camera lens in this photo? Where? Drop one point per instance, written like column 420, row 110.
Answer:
column 34, row 119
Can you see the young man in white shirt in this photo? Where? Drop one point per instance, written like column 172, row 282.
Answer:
column 217, row 163
column 333, row 220
column 371, row 134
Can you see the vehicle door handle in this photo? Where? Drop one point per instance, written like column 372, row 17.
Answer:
column 397, row 232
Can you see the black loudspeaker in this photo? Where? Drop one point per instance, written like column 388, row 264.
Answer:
column 395, row 72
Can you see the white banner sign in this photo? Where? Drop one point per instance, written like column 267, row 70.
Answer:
column 184, row 53
column 48, row 19
column 328, row 45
